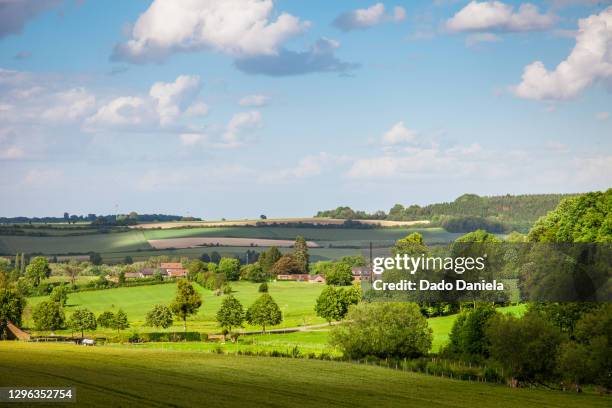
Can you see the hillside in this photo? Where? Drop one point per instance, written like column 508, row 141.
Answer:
column 108, row 376
column 468, row 212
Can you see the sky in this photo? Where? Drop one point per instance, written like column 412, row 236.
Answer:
column 236, row 108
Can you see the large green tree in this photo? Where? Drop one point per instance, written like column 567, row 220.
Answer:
column 11, row 309
column 83, row 319
column 230, row 314
column 38, row 269
column 159, row 316
column 186, row 303
column 333, row 303
column 268, row 258
column 48, row 315
column 300, row 254
column 59, row 294
column 264, row 312
column 121, row 321
column 339, row 274
column 584, row 218
column 230, row 267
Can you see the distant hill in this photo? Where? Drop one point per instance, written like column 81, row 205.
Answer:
column 468, row 212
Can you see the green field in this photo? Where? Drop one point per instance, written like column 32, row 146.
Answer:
column 114, row 246
column 296, row 300
column 113, row 377
column 103, row 243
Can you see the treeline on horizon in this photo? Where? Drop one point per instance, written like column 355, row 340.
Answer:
column 111, row 219
column 469, row 212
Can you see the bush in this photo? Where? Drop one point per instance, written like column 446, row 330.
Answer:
column 467, row 335
column 526, row 347
column 263, row 288
column 383, row 330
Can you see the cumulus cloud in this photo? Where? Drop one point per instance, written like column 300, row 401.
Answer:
column 498, row 16
column 319, row 58
column 234, row 27
column 475, row 39
column 254, row 100
column 70, row 105
column 15, row 13
column 239, row 124
column 174, row 97
column 590, row 61
column 192, row 139
column 307, row 167
column 124, row 112
column 361, row 19
column 11, row 153
column 398, row 133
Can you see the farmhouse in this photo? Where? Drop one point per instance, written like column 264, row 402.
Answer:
column 304, row 277
column 360, row 273
column 173, row 269
column 316, row 279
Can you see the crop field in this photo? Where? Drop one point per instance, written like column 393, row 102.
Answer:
column 252, row 223
column 115, row 246
column 194, row 242
column 337, row 236
column 113, row 377
column 109, row 242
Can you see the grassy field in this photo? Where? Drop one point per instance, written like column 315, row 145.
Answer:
column 102, row 243
column 296, row 300
column 114, row 247
column 113, row 377
column 343, row 236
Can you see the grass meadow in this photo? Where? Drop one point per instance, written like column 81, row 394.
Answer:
column 114, row 376
column 296, row 300
column 115, row 246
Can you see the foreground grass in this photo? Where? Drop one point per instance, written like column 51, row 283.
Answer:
column 112, row 377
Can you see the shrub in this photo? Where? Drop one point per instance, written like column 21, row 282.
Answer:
column 263, row 288
column 383, row 330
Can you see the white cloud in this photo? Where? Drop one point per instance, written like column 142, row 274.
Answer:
column 398, row 133
column 238, row 124
column 365, row 18
column 498, row 16
column 589, row 61
column 174, row 97
column 474, row 39
column 307, row 167
column 602, row 115
column 124, row 112
column 235, row 27
column 70, row 105
column 11, row 153
column 38, row 177
column 196, row 109
column 192, row 139
column 254, row 100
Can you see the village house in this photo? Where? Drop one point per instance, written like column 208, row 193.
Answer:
column 360, row 273
column 173, row 269
column 304, row 277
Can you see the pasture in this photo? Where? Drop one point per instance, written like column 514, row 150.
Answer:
column 295, row 299
column 134, row 376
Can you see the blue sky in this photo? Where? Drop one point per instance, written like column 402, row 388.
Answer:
column 240, row 107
